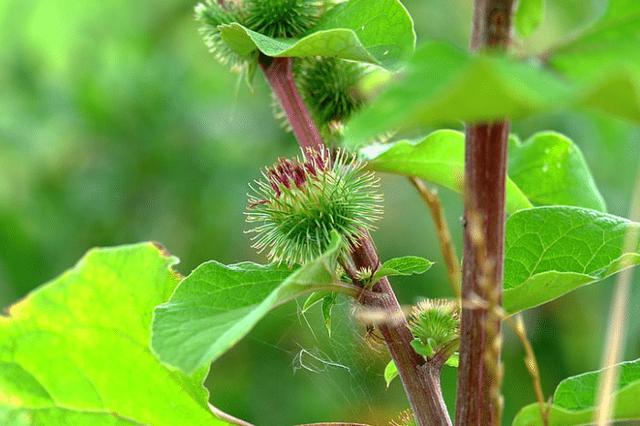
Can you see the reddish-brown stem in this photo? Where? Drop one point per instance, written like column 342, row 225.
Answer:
column 479, row 375
column 279, row 73
column 421, row 378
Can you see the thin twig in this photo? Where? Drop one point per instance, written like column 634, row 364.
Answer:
column 431, row 199
column 614, row 345
column 517, row 325
column 227, row 417
column 334, row 424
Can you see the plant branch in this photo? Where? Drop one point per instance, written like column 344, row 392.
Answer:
column 227, row 417
column 279, row 73
column 421, row 381
column 334, row 424
column 479, row 401
column 431, row 199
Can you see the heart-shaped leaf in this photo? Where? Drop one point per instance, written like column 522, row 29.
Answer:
column 438, row 158
column 550, row 251
column 550, row 169
column 375, row 31
column 75, row 351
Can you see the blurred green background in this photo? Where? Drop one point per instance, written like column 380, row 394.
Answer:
column 117, row 126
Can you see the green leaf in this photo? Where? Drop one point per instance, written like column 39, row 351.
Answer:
column 575, row 399
column 328, row 303
column 550, row 169
column 375, row 31
column 438, row 158
column 617, row 94
column 606, row 59
column 420, row 348
column 312, row 300
column 406, row 265
column 75, row 351
column 550, row 251
column 390, row 372
column 453, row 361
column 217, row 305
column 528, row 15
column 60, row 416
column 439, row 82
column 612, row 42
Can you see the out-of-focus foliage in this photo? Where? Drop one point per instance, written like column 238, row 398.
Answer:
column 528, row 16
column 117, row 126
column 597, row 69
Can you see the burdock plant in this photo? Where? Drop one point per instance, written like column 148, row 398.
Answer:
column 161, row 330
column 299, row 202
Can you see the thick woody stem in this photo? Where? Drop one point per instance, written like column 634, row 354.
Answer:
column 479, row 401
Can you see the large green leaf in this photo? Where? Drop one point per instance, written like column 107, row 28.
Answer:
column 217, row 305
column 550, row 169
column 443, row 84
column 375, row 31
column 438, row 158
column 575, row 399
column 606, row 56
column 551, row 251
column 60, row 417
column 75, row 351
